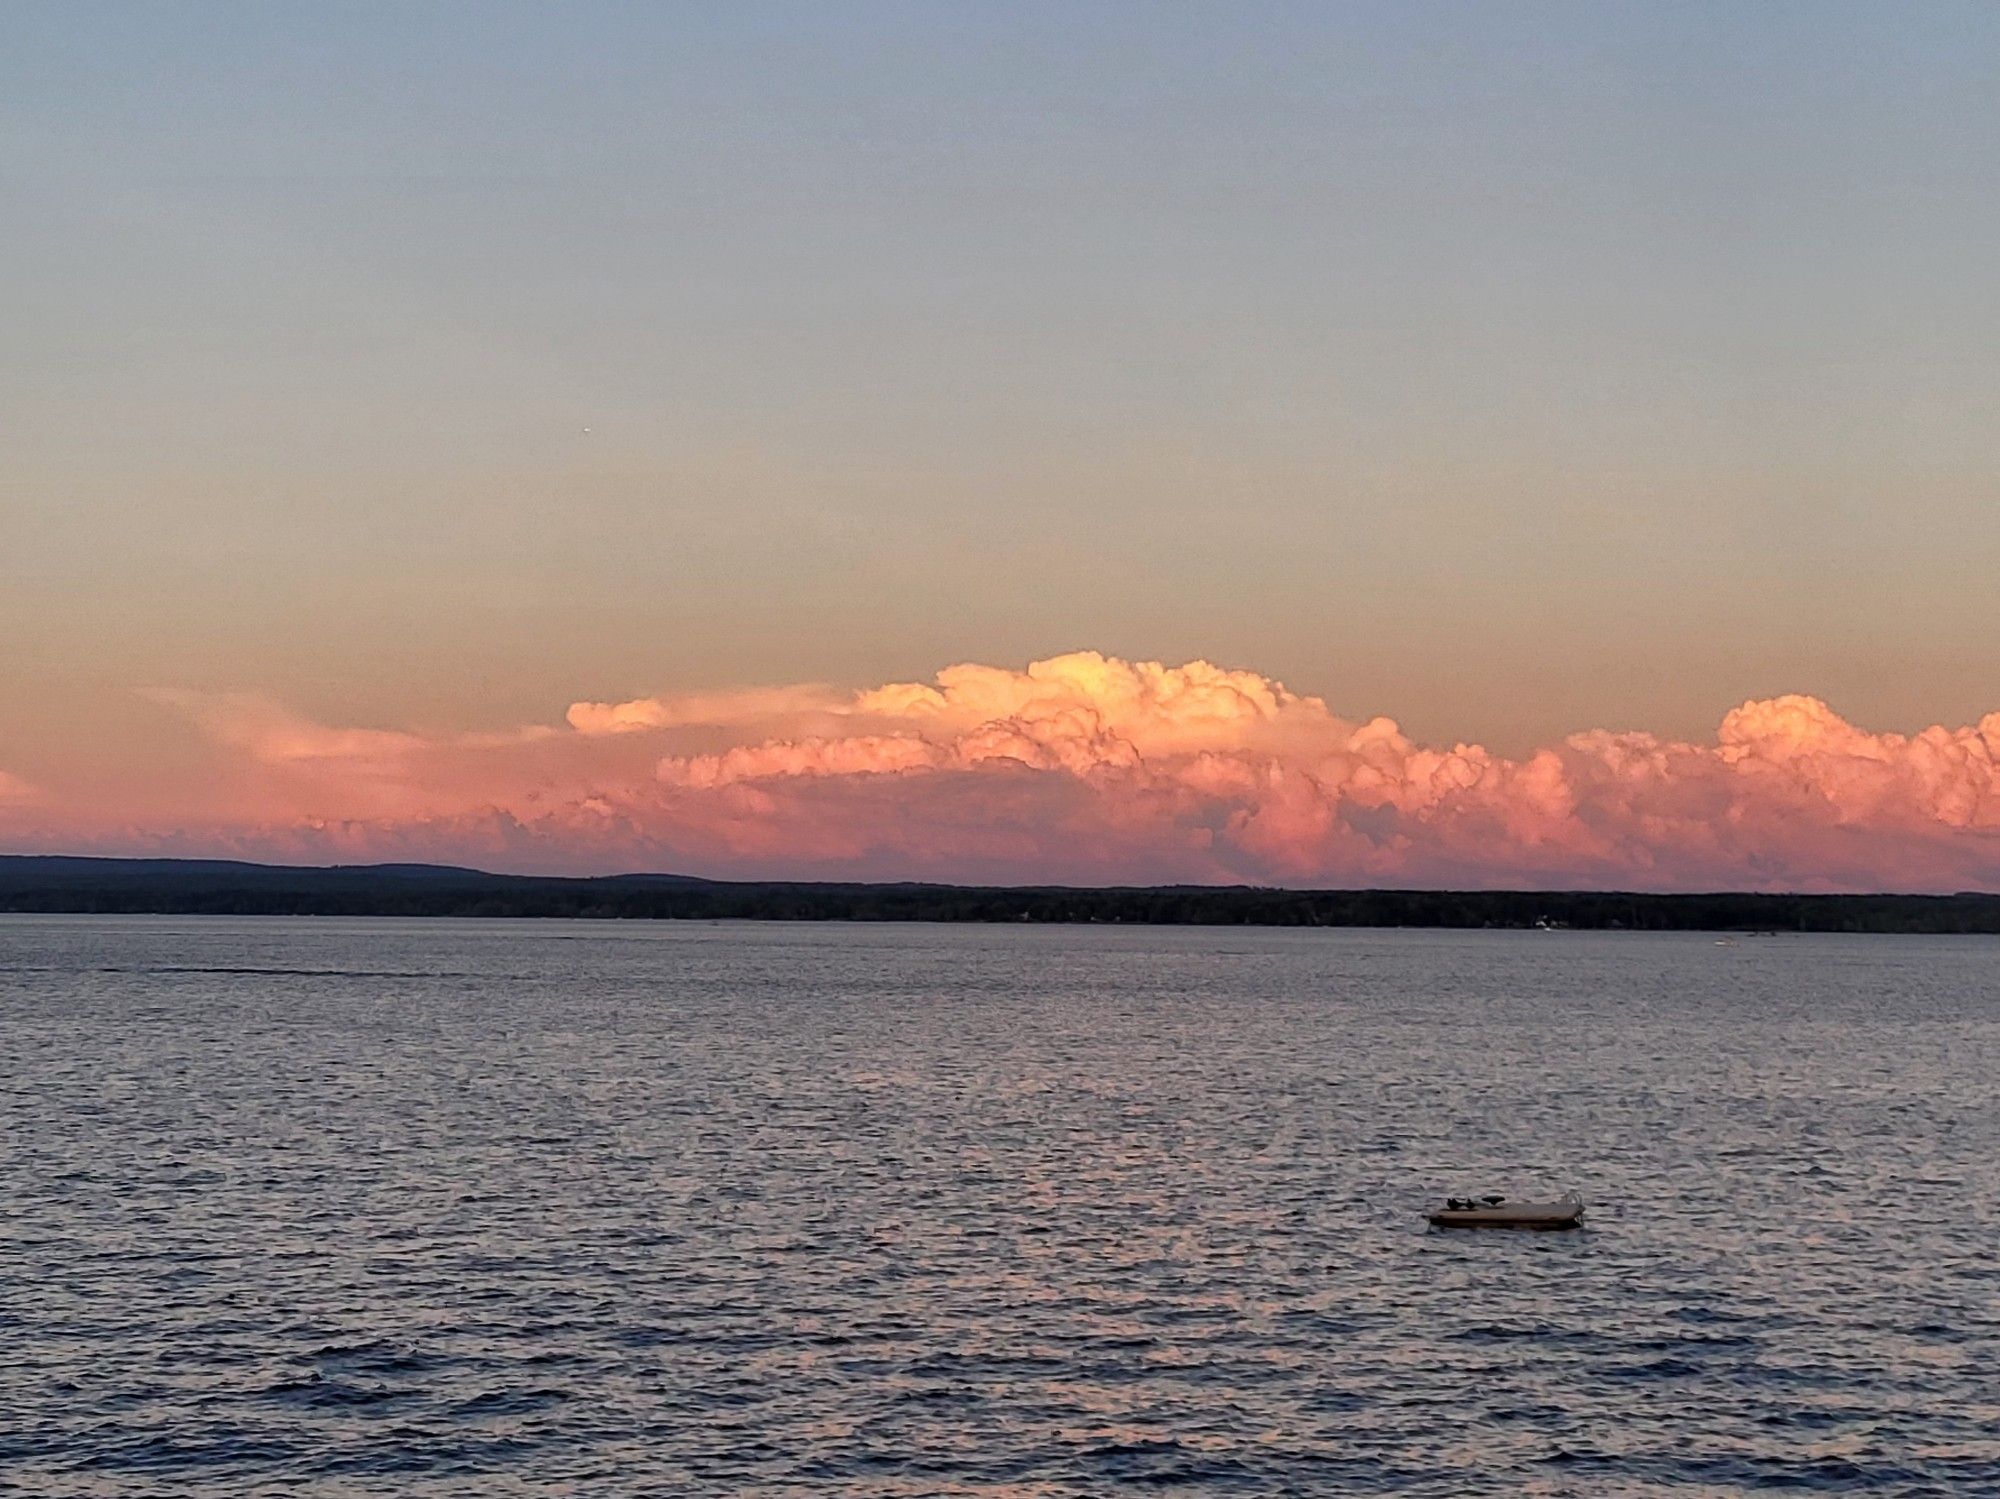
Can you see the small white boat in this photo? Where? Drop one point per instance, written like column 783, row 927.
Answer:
column 1495, row 1211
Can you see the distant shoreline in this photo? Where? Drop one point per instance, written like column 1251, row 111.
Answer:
column 54, row 884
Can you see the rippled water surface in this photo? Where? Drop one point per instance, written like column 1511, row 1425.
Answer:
column 332, row 1207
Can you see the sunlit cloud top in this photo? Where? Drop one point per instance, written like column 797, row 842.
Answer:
column 1081, row 768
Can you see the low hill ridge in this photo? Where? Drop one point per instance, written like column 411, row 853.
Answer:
column 50, row 883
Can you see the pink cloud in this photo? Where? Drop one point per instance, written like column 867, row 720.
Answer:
column 747, row 705
column 1092, row 769
column 271, row 734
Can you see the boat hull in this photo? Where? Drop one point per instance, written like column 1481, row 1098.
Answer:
column 1565, row 1212
column 1527, row 1225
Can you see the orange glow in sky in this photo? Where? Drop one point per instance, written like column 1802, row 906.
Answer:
column 393, row 395
column 1082, row 768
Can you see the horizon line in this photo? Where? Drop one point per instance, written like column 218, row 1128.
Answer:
column 390, row 866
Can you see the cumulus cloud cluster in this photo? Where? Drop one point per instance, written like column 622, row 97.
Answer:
column 1090, row 768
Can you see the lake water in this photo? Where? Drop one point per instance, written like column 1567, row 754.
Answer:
column 372, row 1207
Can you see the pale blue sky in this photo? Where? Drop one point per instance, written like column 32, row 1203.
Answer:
column 1505, row 368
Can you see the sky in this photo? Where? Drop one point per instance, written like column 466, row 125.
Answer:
column 1604, row 397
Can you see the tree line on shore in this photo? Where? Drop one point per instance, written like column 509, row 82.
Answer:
column 204, row 887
